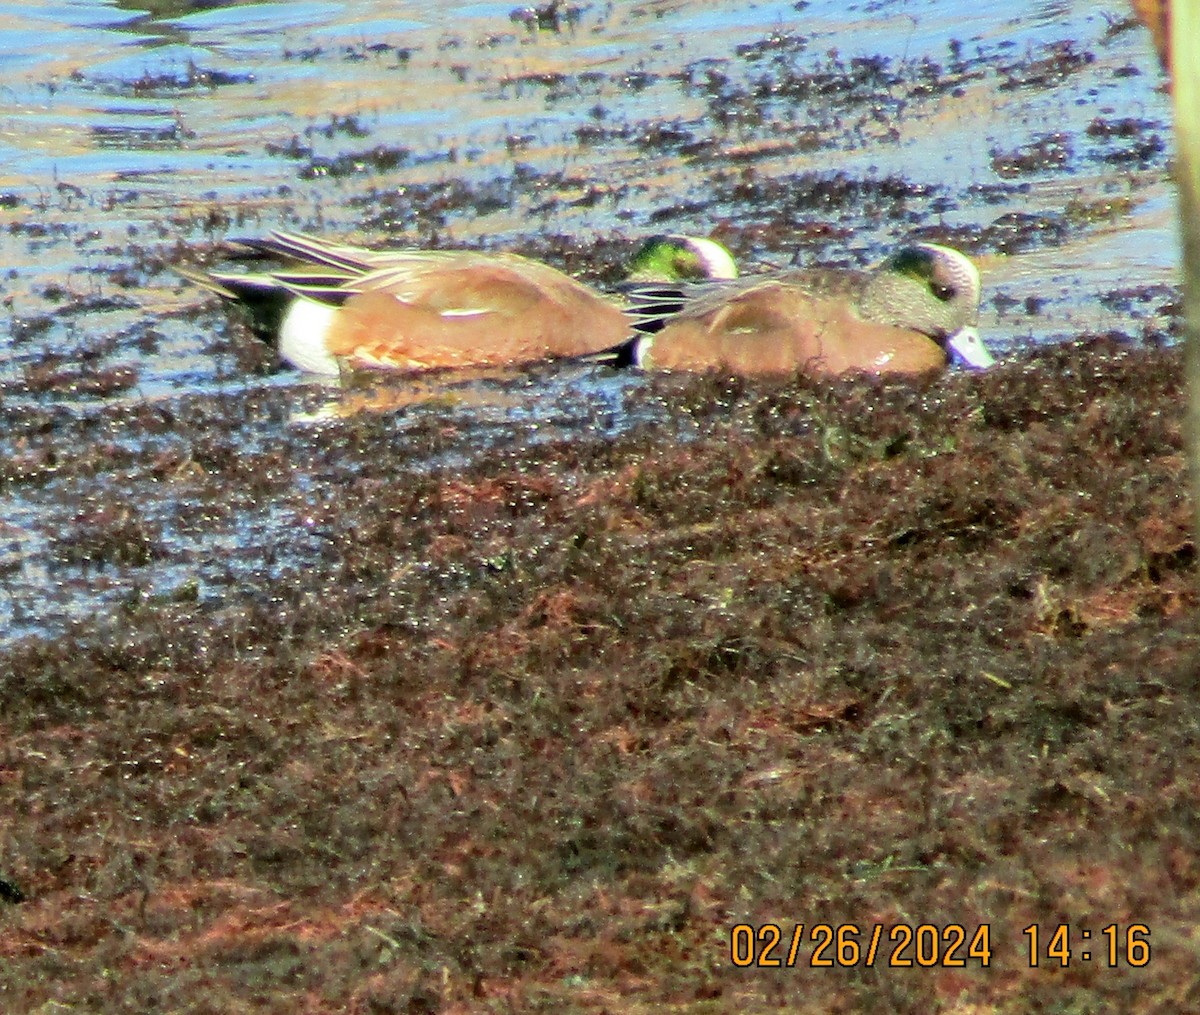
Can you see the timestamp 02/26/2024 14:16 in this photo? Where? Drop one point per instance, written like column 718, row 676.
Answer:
column 927, row 945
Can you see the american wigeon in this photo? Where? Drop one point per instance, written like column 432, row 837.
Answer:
column 900, row 317
column 348, row 307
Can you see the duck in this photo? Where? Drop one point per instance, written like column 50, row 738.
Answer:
column 344, row 308
column 907, row 315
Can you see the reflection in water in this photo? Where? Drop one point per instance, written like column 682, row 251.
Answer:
column 1053, row 11
column 471, row 388
column 156, row 22
column 162, row 10
column 128, row 136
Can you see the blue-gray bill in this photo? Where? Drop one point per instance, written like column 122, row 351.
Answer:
column 966, row 347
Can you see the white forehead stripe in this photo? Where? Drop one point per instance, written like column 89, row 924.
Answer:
column 963, row 263
column 717, row 261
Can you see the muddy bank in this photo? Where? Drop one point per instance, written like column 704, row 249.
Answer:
column 540, row 730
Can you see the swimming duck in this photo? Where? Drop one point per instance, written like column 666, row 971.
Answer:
column 347, row 307
column 904, row 316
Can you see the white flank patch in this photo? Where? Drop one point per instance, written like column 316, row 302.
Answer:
column 302, row 334
column 641, row 352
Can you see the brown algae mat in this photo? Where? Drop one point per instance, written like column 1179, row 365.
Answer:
column 538, row 733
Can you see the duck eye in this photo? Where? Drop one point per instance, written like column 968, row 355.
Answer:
column 942, row 292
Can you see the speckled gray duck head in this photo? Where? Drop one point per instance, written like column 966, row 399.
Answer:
column 934, row 290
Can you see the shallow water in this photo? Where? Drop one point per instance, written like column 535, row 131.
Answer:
column 130, row 129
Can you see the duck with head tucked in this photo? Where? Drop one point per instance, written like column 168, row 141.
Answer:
column 344, row 307
column 905, row 316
